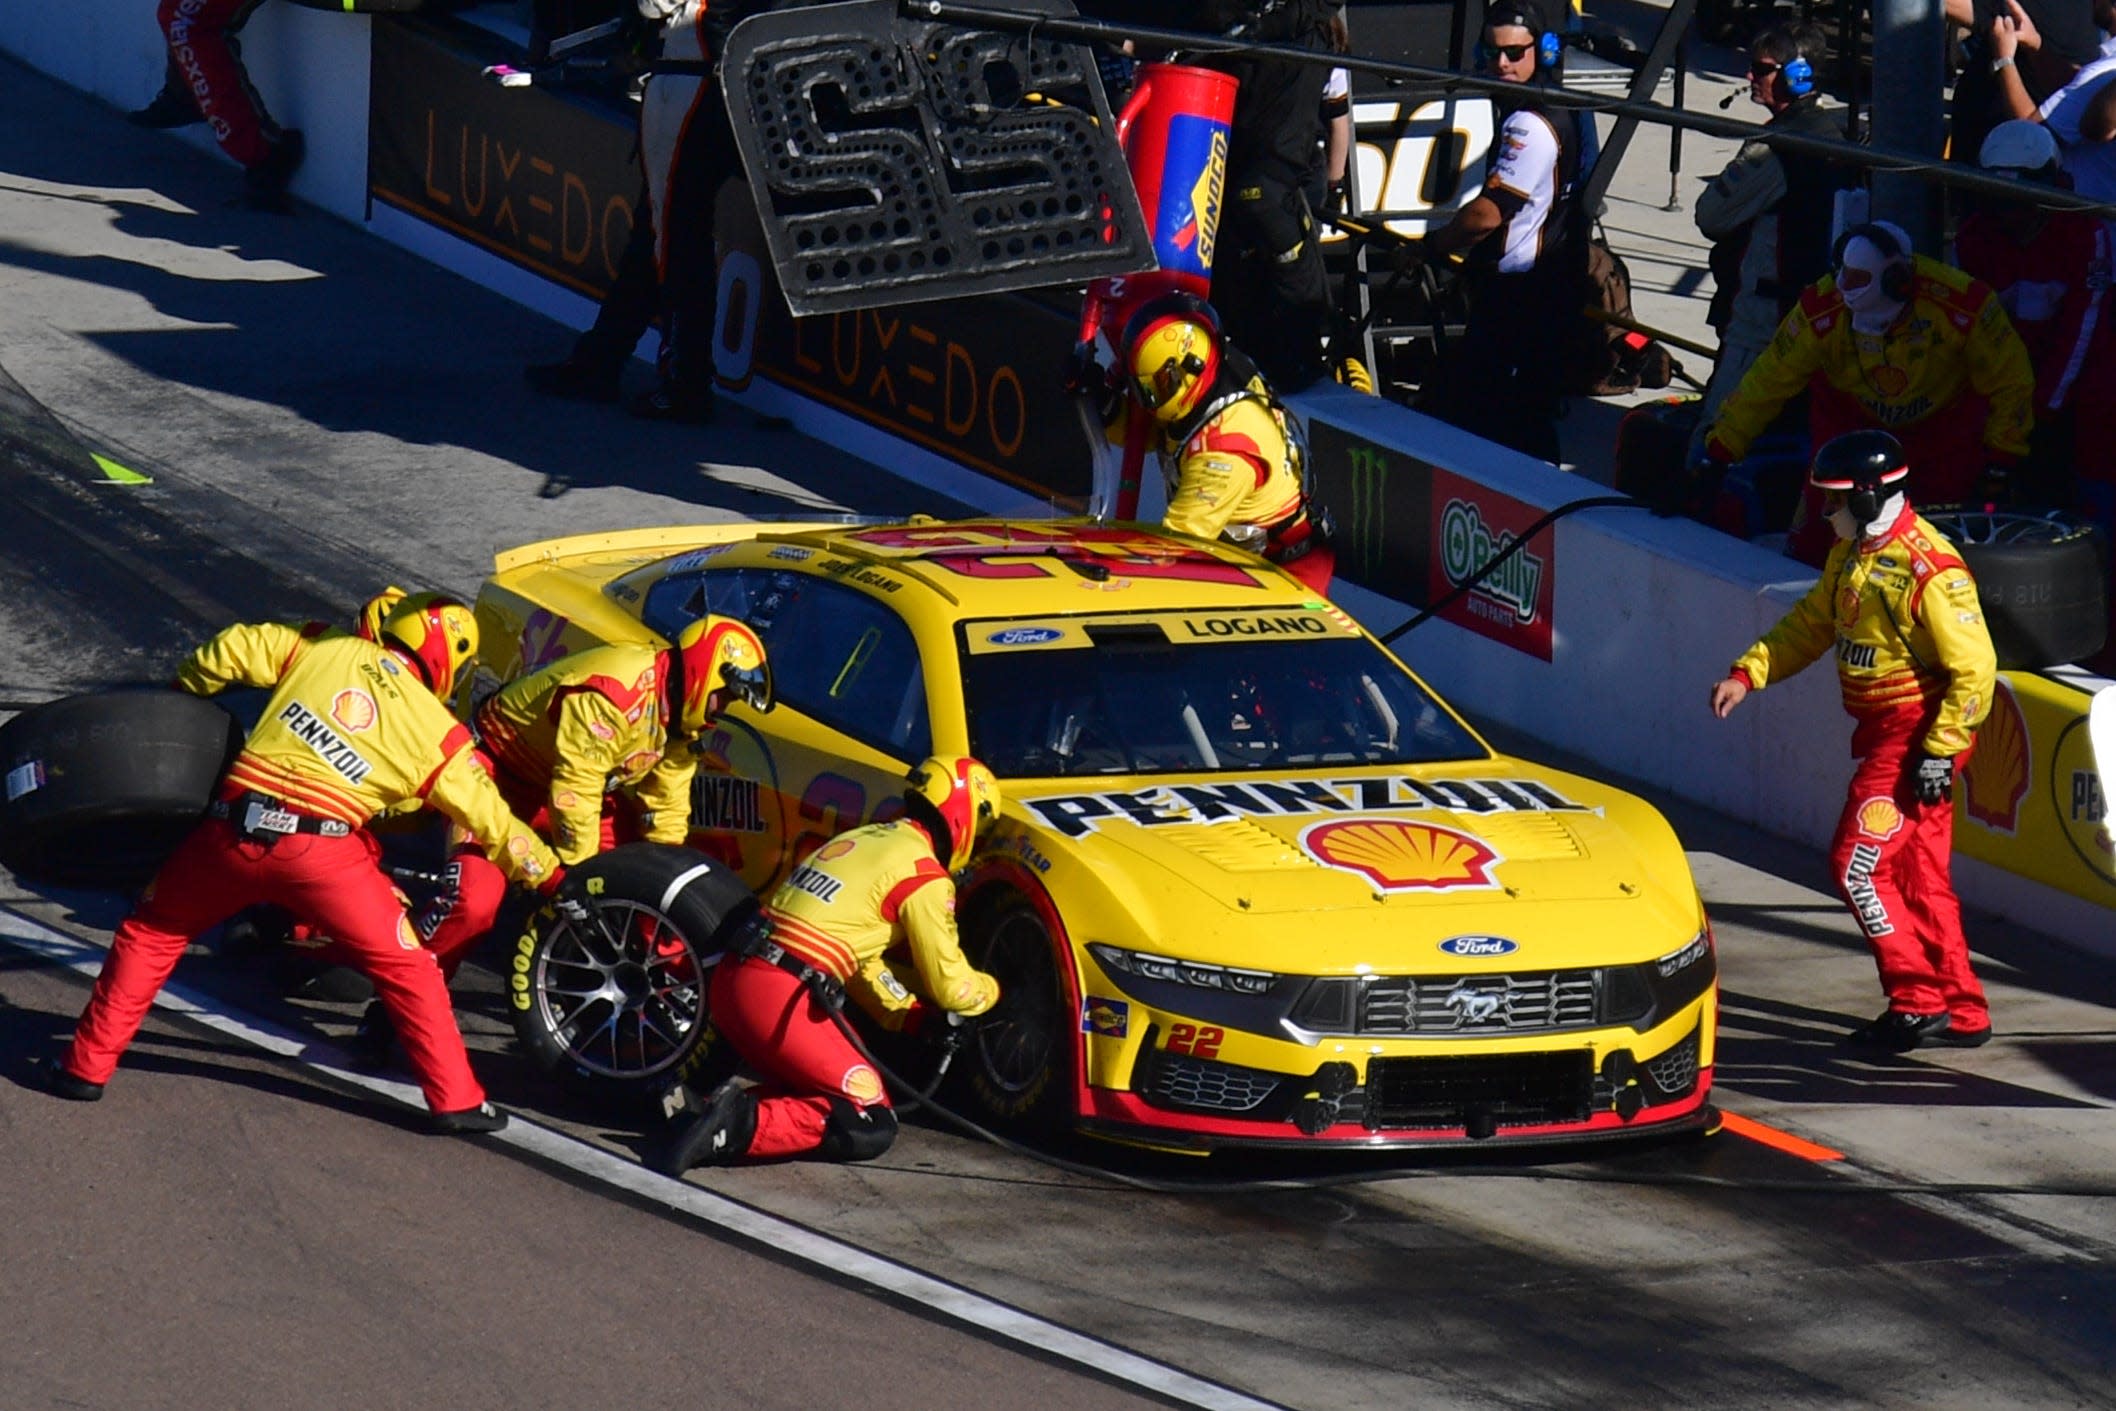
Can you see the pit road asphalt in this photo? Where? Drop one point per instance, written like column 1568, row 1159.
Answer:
column 321, row 414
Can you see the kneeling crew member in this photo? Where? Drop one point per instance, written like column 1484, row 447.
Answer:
column 352, row 729
column 846, row 917
column 1915, row 663
column 1233, row 466
column 561, row 742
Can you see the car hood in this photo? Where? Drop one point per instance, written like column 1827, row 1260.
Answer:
column 1367, row 859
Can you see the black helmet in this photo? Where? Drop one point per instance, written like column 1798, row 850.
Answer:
column 1867, row 466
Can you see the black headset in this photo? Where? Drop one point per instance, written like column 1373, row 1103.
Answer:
column 1899, row 276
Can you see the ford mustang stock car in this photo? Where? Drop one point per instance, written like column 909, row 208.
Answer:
column 1254, row 882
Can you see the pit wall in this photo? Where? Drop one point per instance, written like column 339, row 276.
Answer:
column 1602, row 639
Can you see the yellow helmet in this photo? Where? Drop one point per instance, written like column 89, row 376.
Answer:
column 375, row 611
column 962, row 794
column 716, row 654
column 1172, row 352
column 437, row 633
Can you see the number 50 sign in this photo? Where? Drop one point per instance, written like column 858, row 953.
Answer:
column 1420, row 162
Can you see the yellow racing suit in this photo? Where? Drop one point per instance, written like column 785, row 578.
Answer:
column 586, row 724
column 874, row 910
column 1916, row 667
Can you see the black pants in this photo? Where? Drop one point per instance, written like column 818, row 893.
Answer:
column 1503, row 381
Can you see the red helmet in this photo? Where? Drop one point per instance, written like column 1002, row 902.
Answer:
column 437, row 634
column 962, row 793
column 716, row 654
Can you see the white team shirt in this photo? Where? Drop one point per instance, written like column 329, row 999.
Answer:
column 2092, row 164
column 1524, row 165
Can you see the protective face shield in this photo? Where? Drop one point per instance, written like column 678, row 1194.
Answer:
column 1874, row 276
column 1173, row 362
column 715, row 655
column 965, row 795
column 1847, row 523
column 438, row 633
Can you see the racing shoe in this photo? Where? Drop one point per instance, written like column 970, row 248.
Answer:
column 1897, row 1030
column 265, row 184
column 1955, row 1036
column 471, row 1121
column 372, row 1041
column 172, row 107
column 718, row 1136
column 61, row 1083
column 673, row 402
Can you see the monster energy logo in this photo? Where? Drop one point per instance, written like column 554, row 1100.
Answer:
column 1367, row 525
column 1467, row 544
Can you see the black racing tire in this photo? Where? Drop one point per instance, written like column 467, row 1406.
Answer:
column 101, row 787
column 1020, row 1054
column 622, row 1014
column 2042, row 577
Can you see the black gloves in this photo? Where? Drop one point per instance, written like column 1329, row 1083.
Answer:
column 1934, row 777
column 1085, row 376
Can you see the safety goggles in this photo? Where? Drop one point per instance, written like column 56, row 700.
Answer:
column 749, row 684
column 1852, row 280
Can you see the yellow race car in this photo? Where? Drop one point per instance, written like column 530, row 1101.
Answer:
column 1254, row 883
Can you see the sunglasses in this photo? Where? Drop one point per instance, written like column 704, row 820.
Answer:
column 1514, row 53
column 1763, row 69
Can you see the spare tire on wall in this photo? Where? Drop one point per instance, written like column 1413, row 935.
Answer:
column 96, row 789
column 2043, row 579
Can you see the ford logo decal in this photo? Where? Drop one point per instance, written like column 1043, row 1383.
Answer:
column 1478, row 945
column 1024, row 636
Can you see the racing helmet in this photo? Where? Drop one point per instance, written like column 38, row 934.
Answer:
column 375, row 611
column 1864, row 466
column 714, row 654
column 436, row 633
column 1172, row 354
column 2022, row 149
column 960, row 794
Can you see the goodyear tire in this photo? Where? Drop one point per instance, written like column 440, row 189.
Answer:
column 620, row 1011
column 99, row 788
column 2042, row 577
column 1020, row 1053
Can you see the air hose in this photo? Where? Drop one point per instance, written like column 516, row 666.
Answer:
column 1520, row 542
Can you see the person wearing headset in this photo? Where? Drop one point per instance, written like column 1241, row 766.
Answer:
column 1504, row 378
column 1898, row 610
column 1768, row 211
column 1896, row 341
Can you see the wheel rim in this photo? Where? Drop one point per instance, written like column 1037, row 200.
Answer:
column 1019, row 1040
column 624, row 998
column 1974, row 526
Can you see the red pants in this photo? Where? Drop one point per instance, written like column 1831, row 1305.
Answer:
column 1946, row 454
column 331, row 883
column 1890, row 861
column 776, row 1025
column 203, row 48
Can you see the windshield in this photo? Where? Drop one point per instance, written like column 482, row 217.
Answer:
column 1126, row 699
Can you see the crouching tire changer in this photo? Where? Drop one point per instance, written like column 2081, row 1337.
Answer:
column 870, row 915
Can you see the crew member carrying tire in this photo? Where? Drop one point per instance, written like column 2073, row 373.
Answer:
column 596, row 749
column 870, row 913
column 1900, row 610
column 1234, row 465
column 352, row 728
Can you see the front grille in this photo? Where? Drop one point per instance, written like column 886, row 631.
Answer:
column 1200, row 1084
column 1674, row 1072
column 1507, row 1090
column 1478, row 1004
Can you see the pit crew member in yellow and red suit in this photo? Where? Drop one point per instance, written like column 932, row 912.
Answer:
column 1914, row 660
column 1896, row 342
column 1234, row 467
column 871, row 914
column 596, row 749
column 352, row 728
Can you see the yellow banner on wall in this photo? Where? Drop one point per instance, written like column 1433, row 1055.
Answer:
column 2030, row 800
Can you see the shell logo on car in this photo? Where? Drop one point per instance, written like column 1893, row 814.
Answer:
column 1996, row 778
column 1402, row 857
